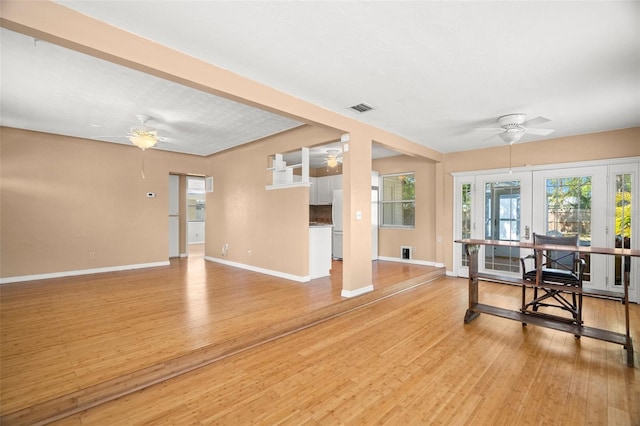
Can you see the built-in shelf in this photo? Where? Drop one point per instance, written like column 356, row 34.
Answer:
column 287, row 185
column 282, row 174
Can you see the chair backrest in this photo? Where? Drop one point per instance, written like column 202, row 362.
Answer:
column 555, row 259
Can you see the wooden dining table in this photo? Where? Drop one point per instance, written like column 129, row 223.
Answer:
column 472, row 248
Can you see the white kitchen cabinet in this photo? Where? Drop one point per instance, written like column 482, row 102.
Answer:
column 325, row 190
column 336, row 182
column 321, row 192
column 313, row 191
column 319, row 251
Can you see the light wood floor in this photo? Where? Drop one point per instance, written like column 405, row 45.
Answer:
column 73, row 342
column 408, row 359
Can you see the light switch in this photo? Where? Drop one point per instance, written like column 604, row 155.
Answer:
column 358, row 215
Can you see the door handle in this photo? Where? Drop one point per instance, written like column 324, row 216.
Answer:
column 527, row 232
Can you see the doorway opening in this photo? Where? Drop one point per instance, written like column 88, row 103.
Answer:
column 196, row 208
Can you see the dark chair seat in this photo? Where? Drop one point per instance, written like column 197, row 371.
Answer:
column 555, row 276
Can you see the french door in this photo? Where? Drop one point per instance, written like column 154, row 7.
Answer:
column 593, row 202
column 574, row 202
column 622, row 231
column 494, row 207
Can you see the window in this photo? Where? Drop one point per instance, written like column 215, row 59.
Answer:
column 398, row 200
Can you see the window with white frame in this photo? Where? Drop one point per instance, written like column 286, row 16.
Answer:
column 398, row 204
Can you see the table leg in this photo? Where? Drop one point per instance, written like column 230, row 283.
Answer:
column 629, row 344
column 472, row 256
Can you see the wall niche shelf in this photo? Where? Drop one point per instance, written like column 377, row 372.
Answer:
column 282, row 176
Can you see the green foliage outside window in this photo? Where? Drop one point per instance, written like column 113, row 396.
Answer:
column 398, row 200
column 623, row 205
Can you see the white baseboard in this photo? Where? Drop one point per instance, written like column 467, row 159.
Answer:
column 412, row 261
column 357, row 292
column 450, row 274
column 80, row 272
column 298, row 278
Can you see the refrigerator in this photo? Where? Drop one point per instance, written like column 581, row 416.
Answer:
column 336, row 216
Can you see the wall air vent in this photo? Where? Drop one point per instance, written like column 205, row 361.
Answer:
column 362, row 107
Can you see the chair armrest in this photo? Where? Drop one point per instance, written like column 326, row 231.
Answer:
column 580, row 265
column 524, row 268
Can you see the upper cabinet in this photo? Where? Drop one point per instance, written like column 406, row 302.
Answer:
column 321, row 192
column 313, row 191
column 336, row 182
column 325, row 190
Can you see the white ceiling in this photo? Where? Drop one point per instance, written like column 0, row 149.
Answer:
column 433, row 70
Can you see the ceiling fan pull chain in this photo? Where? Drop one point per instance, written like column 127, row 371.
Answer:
column 142, row 170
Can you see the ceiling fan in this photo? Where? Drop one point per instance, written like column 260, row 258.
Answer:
column 143, row 136
column 512, row 127
column 333, row 158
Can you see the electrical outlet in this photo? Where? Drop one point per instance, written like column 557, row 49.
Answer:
column 92, row 255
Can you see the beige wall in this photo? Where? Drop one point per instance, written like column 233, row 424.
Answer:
column 595, row 146
column 54, row 23
column 422, row 237
column 64, row 198
column 264, row 229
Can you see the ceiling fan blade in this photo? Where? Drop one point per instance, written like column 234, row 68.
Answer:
column 495, row 135
column 492, row 129
column 535, row 121
column 537, row 131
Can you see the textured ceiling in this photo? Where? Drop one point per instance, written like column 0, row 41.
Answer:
column 433, row 70
column 51, row 89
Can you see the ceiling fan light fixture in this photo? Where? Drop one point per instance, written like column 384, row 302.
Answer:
column 332, row 158
column 511, row 137
column 143, row 140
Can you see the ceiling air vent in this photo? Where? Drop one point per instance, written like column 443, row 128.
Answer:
column 361, row 107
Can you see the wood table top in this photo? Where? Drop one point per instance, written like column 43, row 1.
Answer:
column 557, row 247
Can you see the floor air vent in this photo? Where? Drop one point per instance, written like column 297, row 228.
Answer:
column 406, row 253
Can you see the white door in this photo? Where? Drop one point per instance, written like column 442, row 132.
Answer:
column 174, row 211
column 502, row 212
column 572, row 201
column 174, row 233
column 622, row 228
column 374, row 224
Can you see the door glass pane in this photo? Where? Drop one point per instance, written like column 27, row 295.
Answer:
column 569, row 211
column 502, row 222
column 466, row 217
column 623, row 225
